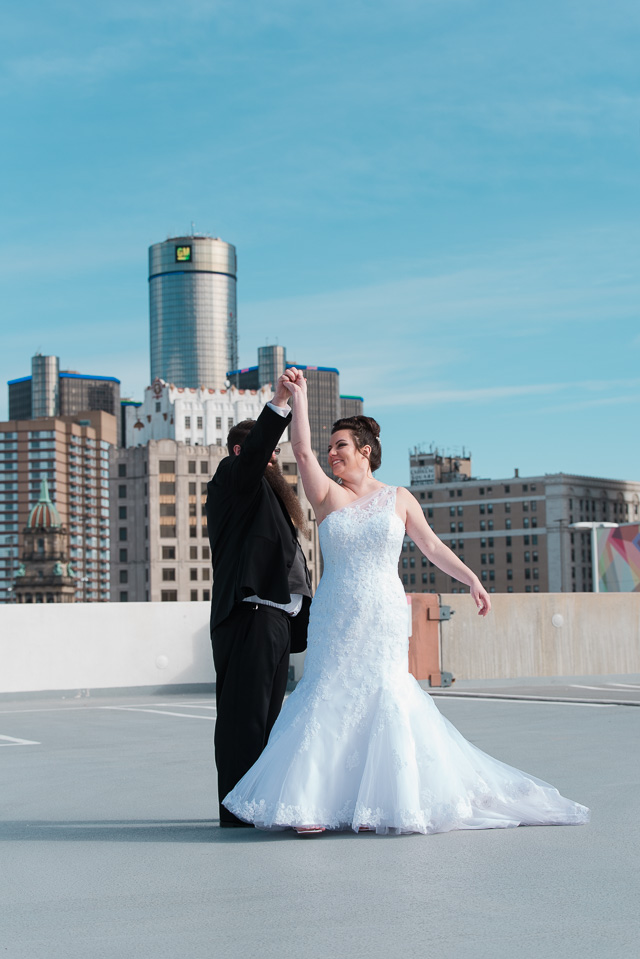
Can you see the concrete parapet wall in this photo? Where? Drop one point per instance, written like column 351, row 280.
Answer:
column 114, row 645
column 103, row 645
column 596, row 634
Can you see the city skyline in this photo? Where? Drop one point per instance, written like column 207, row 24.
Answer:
column 439, row 200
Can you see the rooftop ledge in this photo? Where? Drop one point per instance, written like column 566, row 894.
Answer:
column 164, row 646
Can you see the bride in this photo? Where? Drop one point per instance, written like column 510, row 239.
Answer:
column 358, row 744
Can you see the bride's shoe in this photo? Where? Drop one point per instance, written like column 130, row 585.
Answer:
column 309, row 830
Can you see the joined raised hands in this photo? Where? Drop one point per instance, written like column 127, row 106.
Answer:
column 293, row 381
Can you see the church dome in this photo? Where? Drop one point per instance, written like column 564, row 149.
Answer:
column 44, row 515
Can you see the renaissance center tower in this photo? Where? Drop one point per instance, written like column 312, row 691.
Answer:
column 192, row 311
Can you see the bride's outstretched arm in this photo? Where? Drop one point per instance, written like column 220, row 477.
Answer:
column 316, row 483
column 439, row 553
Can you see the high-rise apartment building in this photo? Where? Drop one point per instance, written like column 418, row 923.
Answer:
column 192, row 311
column 159, row 539
column 51, row 392
column 72, row 454
column 516, row 534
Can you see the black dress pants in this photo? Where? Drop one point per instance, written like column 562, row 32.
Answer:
column 251, row 657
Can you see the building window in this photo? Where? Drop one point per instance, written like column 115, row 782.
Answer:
column 492, row 575
column 122, row 534
column 509, row 560
column 452, row 511
column 405, row 562
column 412, row 579
column 193, row 574
column 204, row 467
column 483, row 558
column 124, row 556
column 527, row 556
column 405, row 578
column 534, row 506
column 122, row 512
column 168, row 552
column 167, row 466
column 206, row 595
column 194, row 595
column 430, row 512
column 187, row 422
column 525, row 522
column 412, row 562
column 535, row 573
column 218, row 422
column 483, row 575
column 509, row 574
column 481, row 509
column 122, row 469
column 167, row 532
column 124, row 596
column 169, row 596
column 167, row 509
column 527, row 573
column 206, row 573
column 461, row 527
column 507, row 524
column 167, row 489
column 192, row 467
column 483, row 525
column 491, row 559
column 122, row 492
column 206, row 553
column 168, row 575
column 534, row 522
column 508, row 541
column 452, row 527
column 199, row 423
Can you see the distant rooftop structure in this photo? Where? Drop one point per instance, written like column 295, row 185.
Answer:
column 50, row 391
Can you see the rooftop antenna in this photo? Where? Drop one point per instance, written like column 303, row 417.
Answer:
column 193, row 228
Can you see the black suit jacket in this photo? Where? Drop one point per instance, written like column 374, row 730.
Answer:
column 253, row 541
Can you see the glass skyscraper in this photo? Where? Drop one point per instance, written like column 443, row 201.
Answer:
column 192, row 311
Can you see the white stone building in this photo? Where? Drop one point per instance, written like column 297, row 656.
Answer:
column 195, row 417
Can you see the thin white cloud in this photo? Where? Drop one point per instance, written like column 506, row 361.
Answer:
column 437, row 397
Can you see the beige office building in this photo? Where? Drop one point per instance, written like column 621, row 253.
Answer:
column 516, row 533
column 72, row 454
column 159, row 538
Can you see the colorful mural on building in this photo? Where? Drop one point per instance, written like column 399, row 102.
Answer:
column 618, row 559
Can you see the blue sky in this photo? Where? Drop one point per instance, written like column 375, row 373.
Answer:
column 440, row 198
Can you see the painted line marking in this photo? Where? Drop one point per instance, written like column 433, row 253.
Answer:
column 12, row 741
column 599, row 689
column 625, row 685
column 162, row 712
column 522, row 699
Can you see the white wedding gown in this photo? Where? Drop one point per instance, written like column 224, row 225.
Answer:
column 358, row 742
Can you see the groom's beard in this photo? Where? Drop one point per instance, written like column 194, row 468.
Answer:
column 284, row 490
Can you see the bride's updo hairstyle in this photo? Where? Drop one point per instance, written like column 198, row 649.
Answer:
column 365, row 432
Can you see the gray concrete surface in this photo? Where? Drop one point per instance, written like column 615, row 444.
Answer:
column 109, row 846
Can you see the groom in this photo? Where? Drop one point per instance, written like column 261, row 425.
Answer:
column 261, row 591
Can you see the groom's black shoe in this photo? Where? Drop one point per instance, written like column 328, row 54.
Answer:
column 228, row 820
